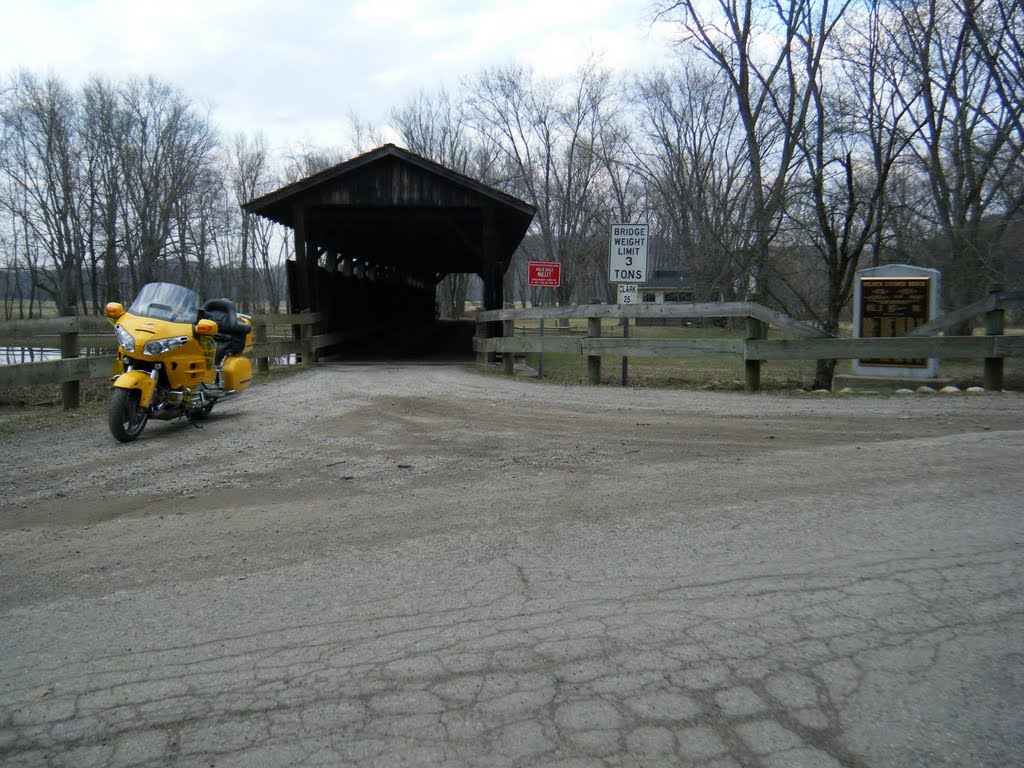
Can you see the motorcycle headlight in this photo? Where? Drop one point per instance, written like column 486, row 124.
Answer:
column 124, row 338
column 159, row 346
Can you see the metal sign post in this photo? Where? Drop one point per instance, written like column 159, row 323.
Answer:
column 543, row 274
column 540, row 357
column 625, row 360
column 627, row 266
column 628, row 293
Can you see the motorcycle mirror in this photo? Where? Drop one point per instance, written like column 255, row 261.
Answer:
column 206, row 328
column 113, row 310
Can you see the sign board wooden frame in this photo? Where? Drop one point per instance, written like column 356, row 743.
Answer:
column 889, row 301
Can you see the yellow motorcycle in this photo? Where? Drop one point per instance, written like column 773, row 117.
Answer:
column 175, row 358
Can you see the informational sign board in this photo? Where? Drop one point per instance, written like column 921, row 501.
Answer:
column 544, row 274
column 629, row 293
column 628, row 253
column 890, row 301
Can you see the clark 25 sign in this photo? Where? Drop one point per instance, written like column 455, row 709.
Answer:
column 544, row 274
column 628, row 252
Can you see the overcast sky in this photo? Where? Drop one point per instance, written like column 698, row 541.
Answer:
column 296, row 69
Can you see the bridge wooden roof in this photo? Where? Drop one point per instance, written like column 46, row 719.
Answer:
column 395, row 208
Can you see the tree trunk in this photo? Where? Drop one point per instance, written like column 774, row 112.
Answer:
column 824, row 370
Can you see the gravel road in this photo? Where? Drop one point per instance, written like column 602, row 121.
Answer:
column 423, row 565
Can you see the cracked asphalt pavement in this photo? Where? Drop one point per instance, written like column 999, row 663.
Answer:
column 423, row 565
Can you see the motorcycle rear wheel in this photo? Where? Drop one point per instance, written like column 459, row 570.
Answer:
column 125, row 416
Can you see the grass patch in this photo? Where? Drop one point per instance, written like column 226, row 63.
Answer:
column 14, row 420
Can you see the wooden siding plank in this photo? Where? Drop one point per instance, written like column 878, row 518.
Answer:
column 898, row 347
column 50, row 325
column 731, row 349
column 50, row 341
column 675, row 310
column 528, row 344
column 1008, row 346
column 1000, row 300
column 55, row 371
column 605, row 311
column 785, row 322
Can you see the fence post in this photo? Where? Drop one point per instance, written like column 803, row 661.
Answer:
column 508, row 359
column 260, row 337
column 305, row 332
column 481, row 337
column 70, row 391
column 594, row 361
column 995, row 324
column 756, row 330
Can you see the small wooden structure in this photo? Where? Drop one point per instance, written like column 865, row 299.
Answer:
column 667, row 286
column 375, row 234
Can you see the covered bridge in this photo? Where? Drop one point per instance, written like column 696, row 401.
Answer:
column 375, row 234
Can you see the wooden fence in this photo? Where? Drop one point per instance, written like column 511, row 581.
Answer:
column 496, row 336
column 71, row 334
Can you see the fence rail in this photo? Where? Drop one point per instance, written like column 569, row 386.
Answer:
column 70, row 334
column 496, row 328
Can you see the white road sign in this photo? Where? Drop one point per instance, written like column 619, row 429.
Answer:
column 628, row 293
column 628, row 252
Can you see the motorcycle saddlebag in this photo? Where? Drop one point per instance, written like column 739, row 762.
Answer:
column 237, row 373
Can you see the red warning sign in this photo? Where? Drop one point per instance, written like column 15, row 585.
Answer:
column 544, row 274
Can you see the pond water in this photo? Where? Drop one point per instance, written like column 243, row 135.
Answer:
column 18, row 355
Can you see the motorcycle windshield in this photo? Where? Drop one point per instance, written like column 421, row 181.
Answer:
column 166, row 301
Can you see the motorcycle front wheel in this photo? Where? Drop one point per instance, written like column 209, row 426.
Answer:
column 126, row 417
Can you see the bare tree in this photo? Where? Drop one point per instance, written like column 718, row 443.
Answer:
column 692, row 159
column 119, row 184
column 619, row 186
column 365, row 135
column 165, row 150
column 755, row 44
column 855, row 133
column 964, row 89
column 203, row 218
column 547, row 134
column 101, row 125
column 42, row 160
column 436, row 126
column 247, row 174
column 302, row 160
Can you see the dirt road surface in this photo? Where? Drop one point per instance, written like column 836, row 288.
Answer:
column 412, row 565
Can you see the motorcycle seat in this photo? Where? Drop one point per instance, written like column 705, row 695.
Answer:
column 222, row 312
column 231, row 331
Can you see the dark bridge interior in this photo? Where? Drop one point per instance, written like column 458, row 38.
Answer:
column 374, row 236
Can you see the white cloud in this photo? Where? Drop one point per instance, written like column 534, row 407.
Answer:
column 296, row 70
